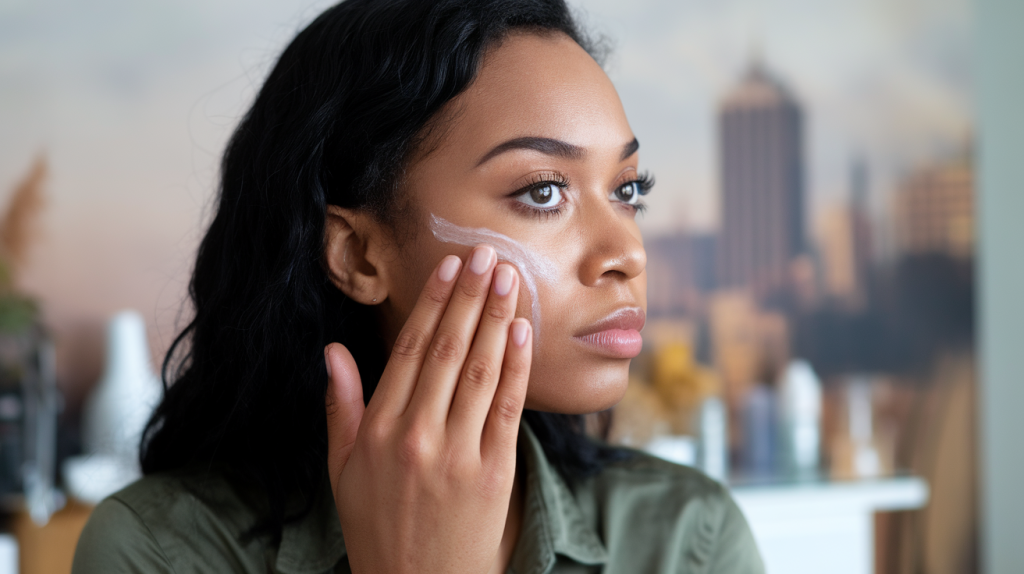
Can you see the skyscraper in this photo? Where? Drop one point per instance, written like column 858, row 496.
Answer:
column 934, row 210
column 844, row 242
column 760, row 128
column 679, row 268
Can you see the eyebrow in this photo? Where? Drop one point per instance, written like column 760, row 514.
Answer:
column 629, row 149
column 550, row 146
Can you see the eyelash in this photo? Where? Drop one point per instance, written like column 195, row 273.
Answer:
column 644, row 183
column 538, row 181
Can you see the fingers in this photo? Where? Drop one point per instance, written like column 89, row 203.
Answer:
column 501, row 430
column 344, row 402
column 403, row 368
column 479, row 376
column 450, row 346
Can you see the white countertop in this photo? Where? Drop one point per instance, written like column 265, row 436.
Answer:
column 823, row 526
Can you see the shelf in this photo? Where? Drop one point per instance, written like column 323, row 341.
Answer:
column 823, row 526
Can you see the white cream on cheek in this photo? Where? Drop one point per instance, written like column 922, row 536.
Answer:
column 532, row 265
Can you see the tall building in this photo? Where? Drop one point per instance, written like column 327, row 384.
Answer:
column 844, row 242
column 863, row 240
column 760, row 128
column 935, row 210
column 679, row 268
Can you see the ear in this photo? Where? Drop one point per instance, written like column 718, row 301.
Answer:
column 353, row 253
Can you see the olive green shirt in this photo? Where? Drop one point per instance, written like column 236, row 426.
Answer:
column 640, row 515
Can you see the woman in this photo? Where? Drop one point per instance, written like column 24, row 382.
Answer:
column 426, row 224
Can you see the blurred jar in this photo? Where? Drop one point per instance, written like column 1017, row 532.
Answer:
column 29, row 405
column 115, row 414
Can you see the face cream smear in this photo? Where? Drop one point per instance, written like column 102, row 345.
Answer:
column 532, row 266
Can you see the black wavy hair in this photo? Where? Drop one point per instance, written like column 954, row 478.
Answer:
column 339, row 115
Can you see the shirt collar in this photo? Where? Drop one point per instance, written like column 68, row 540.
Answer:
column 553, row 524
column 312, row 545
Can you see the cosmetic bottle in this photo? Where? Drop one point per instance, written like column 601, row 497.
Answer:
column 800, row 421
column 115, row 414
column 759, row 448
column 713, row 448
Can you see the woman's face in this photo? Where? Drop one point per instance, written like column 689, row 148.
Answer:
column 538, row 149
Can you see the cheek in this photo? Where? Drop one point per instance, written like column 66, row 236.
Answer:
column 412, row 266
column 564, row 377
column 524, row 307
column 563, row 381
column 535, row 269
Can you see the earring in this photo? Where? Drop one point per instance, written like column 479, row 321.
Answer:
column 374, row 300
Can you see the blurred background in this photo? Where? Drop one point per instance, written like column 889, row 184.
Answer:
column 811, row 244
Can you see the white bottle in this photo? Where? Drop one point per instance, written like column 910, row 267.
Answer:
column 800, row 413
column 714, row 439
column 115, row 414
column 126, row 395
column 866, row 462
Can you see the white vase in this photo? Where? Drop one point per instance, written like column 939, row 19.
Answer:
column 120, row 406
column 115, row 414
column 714, row 439
column 800, row 409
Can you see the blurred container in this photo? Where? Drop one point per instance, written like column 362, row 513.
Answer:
column 8, row 554
column 117, row 411
column 800, row 404
column 116, row 414
column 713, row 447
column 760, row 418
column 29, row 404
column 858, row 450
column 679, row 449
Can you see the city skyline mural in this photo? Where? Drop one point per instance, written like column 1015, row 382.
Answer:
column 812, row 225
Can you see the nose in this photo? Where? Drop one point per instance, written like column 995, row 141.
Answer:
column 615, row 249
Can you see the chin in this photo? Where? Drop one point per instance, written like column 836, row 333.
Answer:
column 577, row 389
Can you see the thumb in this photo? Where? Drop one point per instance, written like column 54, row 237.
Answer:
column 345, row 407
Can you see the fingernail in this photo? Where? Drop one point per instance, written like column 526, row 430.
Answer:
column 449, row 268
column 520, row 330
column 327, row 360
column 503, row 280
column 481, row 260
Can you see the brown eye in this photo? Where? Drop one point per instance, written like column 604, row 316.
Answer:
column 628, row 193
column 542, row 195
column 545, row 195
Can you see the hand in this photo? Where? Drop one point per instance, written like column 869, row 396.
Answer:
column 422, row 478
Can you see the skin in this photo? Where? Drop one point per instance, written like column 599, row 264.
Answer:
column 425, row 477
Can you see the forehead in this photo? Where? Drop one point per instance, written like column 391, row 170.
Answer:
column 542, row 85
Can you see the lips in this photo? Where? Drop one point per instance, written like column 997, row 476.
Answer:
column 617, row 335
